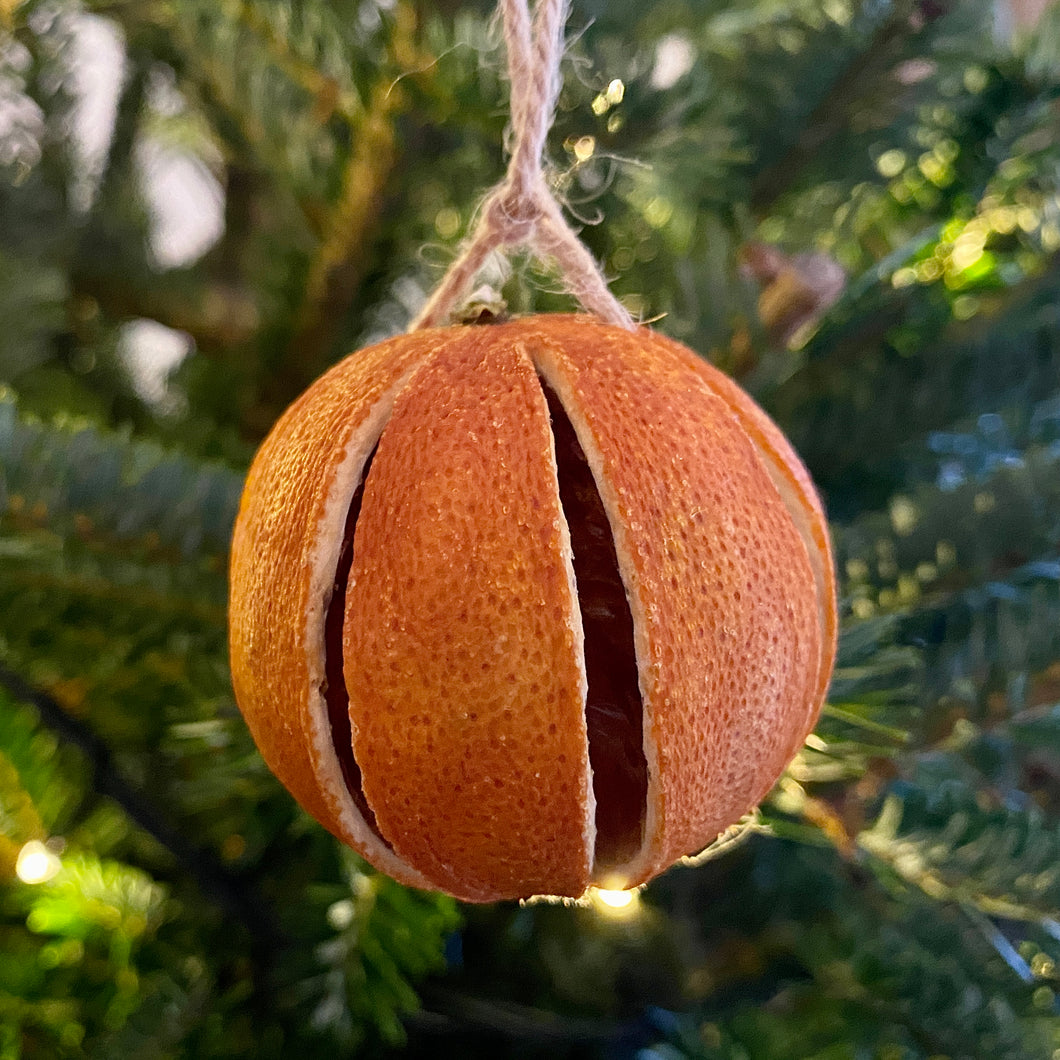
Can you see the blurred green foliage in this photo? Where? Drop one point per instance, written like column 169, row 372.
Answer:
column 854, row 207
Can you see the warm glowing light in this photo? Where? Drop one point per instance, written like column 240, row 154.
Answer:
column 584, row 147
column 891, row 163
column 36, row 863
column 615, row 901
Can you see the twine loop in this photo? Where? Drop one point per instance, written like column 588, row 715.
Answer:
column 521, row 210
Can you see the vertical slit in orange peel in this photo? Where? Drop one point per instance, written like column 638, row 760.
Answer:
column 334, row 690
column 584, row 561
column 613, row 709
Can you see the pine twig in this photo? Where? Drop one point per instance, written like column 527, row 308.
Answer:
column 227, row 889
column 240, row 131
column 327, row 93
column 218, row 316
column 337, row 267
column 845, row 95
column 339, row 263
column 450, row 1012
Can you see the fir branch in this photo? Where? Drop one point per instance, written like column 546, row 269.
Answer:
column 338, row 266
column 846, row 96
column 450, row 1012
column 218, row 316
column 329, row 97
column 110, row 267
column 86, row 585
column 942, row 832
column 208, row 79
column 230, row 891
column 79, row 483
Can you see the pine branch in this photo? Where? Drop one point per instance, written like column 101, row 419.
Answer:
column 940, row 834
column 339, row 264
column 201, row 42
column 232, row 892
column 846, row 95
column 111, row 268
column 81, row 483
column 329, row 97
column 450, row 1012
column 218, row 316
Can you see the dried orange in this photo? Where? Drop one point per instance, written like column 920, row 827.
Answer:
column 523, row 607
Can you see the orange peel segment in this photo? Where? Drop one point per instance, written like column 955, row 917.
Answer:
column 285, row 546
column 723, row 595
column 463, row 638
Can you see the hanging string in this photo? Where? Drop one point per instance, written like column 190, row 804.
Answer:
column 521, row 210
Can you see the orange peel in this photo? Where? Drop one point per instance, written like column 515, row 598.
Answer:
column 522, row 608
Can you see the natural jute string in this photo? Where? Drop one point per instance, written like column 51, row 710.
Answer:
column 521, row 210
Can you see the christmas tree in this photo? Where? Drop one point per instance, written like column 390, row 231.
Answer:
column 851, row 207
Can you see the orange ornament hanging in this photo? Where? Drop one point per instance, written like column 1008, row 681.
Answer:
column 520, row 608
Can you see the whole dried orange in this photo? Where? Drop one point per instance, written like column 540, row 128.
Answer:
column 522, row 607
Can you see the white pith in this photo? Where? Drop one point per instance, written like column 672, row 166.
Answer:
column 323, row 562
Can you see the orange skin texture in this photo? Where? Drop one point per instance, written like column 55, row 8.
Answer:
column 272, row 547
column 462, row 633
column 458, row 633
column 282, row 501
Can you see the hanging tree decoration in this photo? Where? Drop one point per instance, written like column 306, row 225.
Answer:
column 524, row 607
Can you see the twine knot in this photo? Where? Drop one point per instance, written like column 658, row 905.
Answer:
column 514, row 209
column 521, row 210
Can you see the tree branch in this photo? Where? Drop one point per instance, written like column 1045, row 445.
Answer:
column 339, row 265
column 217, row 315
column 225, row 888
column 866, row 72
column 448, row 1012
